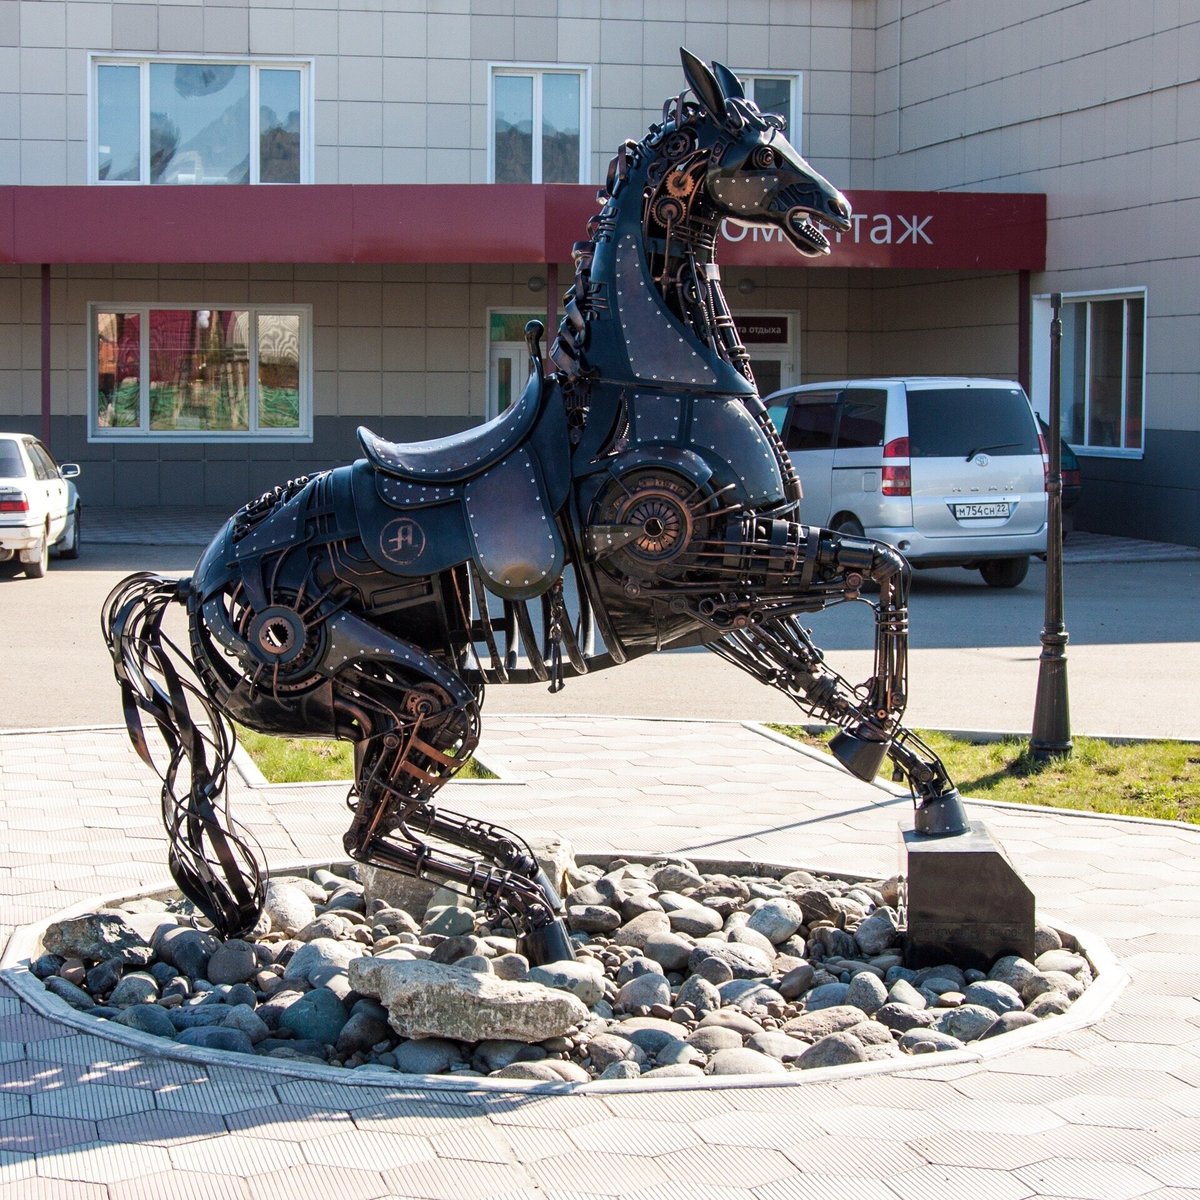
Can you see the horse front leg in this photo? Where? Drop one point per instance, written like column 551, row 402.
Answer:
column 780, row 652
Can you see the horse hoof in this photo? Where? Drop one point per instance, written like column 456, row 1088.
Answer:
column 550, row 943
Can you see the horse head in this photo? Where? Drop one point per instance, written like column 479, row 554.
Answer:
column 754, row 175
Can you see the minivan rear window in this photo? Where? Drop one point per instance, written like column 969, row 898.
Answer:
column 962, row 422
column 12, row 465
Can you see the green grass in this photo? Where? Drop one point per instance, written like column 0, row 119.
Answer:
column 313, row 760
column 1146, row 779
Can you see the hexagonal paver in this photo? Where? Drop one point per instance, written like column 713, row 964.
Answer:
column 952, row 1183
column 103, row 1162
column 1180, row 1170
column 816, row 1186
column 181, row 1185
column 38, row 1133
column 355, row 1147
column 996, row 1116
column 91, row 1102
column 633, row 1137
column 437, row 1179
column 1089, row 1179
column 594, row 1174
column 1128, row 1112
column 234, row 1155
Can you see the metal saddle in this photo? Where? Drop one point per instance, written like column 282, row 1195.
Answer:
column 461, row 456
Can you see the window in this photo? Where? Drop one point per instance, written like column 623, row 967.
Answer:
column 813, row 421
column 1103, row 371
column 861, row 424
column 958, row 422
column 776, row 92
column 200, row 373
column 538, row 125
column 166, row 120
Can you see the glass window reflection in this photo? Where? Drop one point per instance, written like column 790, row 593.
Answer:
column 199, row 123
column 279, row 126
column 560, row 128
column 118, row 139
column 514, row 128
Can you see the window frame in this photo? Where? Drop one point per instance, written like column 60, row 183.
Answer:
column 1040, row 317
column 796, row 80
column 538, row 71
column 306, row 65
column 142, row 432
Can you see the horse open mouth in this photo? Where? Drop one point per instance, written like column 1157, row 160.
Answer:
column 803, row 233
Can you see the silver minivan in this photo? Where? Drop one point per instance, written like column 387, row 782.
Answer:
column 950, row 470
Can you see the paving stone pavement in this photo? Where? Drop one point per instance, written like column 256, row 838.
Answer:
column 1105, row 1112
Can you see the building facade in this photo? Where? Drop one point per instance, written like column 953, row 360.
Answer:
column 231, row 233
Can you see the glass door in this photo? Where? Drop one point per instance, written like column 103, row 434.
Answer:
column 508, row 373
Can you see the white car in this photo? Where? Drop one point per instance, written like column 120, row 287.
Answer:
column 951, row 471
column 39, row 506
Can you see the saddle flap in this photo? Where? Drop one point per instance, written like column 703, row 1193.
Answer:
column 516, row 541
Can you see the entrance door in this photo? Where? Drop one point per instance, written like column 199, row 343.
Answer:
column 508, row 372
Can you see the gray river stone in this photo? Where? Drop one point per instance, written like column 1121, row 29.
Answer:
column 324, row 954
column 967, row 1022
column 777, row 920
column 866, row 991
column 1049, row 1004
column 427, row 1056
column 745, row 936
column 827, row 995
column 243, row 1017
column 669, row 950
column 214, row 1037
column 636, row 930
column 288, row 907
column 997, row 996
column 713, row 1038
column 577, row 977
column 877, row 931
column 777, row 1045
column 929, row 1041
column 744, row 962
column 903, row 992
column 187, row 950
column 643, row 991
column 233, row 962
column 903, row 1017
column 815, row 1025
column 593, row 918
column 747, row 993
column 833, row 1050
column 797, row 981
column 743, row 1061
column 1054, row 960
column 699, row 995
column 148, row 1018
column 1013, row 970
column 138, row 987
column 318, row 1015
column 608, row 1048
column 426, row 999
column 65, row 990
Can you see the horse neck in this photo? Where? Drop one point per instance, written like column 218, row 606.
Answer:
column 682, row 253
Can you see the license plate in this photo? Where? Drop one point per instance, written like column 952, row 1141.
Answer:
column 979, row 511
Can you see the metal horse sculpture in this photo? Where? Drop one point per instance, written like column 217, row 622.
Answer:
column 358, row 603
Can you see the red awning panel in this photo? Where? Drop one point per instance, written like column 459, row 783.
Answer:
column 462, row 223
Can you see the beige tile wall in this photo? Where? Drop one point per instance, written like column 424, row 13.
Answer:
column 401, row 93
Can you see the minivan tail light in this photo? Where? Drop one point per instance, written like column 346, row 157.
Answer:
column 14, row 502
column 1045, row 453
column 897, row 473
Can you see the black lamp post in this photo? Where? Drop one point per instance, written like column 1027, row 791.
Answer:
column 1051, row 711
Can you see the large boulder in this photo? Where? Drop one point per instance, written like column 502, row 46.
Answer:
column 426, row 999
column 97, row 937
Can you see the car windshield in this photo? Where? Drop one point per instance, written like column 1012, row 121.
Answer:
column 962, row 422
column 12, row 465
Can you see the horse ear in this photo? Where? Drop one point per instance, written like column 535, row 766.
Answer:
column 731, row 85
column 704, row 83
